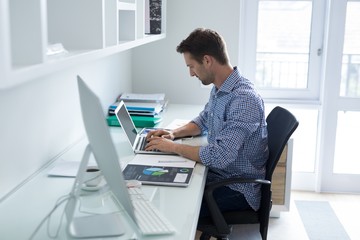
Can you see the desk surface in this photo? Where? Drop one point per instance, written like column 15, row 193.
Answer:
column 22, row 211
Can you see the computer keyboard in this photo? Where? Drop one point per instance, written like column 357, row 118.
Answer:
column 149, row 218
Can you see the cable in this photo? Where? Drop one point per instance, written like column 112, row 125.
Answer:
column 60, row 201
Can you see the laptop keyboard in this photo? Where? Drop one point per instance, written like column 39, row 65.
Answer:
column 142, row 143
column 149, row 218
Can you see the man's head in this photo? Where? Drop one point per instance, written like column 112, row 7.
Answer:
column 203, row 42
column 206, row 56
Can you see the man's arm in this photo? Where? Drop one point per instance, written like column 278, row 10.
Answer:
column 166, row 145
column 189, row 129
column 160, row 140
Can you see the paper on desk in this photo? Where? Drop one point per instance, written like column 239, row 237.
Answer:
column 177, row 123
column 162, row 160
column 66, row 168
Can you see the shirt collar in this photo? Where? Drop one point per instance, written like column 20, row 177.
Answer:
column 230, row 82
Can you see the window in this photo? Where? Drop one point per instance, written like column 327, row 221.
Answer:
column 283, row 40
column 283, row 43
column 350, row 73
column 283, row 52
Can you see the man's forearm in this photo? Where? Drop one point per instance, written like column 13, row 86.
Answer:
column 187, row 151
column 190, row 129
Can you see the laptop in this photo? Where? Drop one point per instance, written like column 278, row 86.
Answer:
column 136, row 139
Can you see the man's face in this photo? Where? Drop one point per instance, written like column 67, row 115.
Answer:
column 199, row 70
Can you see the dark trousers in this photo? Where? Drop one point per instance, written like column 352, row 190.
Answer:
column 227, row 200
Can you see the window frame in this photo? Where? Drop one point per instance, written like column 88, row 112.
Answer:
column 248, row 40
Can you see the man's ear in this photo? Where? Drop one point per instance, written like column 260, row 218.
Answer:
column 207, row 60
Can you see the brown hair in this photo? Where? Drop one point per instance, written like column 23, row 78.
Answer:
column 202, row 42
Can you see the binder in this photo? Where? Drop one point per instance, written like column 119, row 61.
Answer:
column 153, row 16
column 139, row 121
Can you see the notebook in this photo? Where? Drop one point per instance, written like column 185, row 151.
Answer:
column 162, row 176
column 136, row 139
column 163, row 170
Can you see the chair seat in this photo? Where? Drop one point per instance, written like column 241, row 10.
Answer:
column 232, row 218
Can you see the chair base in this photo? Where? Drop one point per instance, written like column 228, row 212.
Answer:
column 205, row 236
column 209, row 231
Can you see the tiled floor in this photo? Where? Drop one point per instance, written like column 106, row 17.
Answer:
column 289, row 224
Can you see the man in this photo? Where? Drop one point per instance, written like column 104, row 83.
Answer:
column 233, row 118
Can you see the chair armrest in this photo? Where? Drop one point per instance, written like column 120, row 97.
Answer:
column 215, row 212
column 213, row 185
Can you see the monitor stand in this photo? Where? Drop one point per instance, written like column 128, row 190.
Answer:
column 97, row 225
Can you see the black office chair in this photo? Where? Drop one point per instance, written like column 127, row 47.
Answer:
column 280, row 125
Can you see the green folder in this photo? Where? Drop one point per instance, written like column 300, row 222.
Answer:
column 139, row 121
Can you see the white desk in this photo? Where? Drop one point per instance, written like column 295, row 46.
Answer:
column 21, row 212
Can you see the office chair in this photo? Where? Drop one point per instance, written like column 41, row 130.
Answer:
column 280, row 125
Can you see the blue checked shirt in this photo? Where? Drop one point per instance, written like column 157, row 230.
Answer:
column 235, row 123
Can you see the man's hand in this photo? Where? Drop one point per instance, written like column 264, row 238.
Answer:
column 162, row 143
column 160, row 133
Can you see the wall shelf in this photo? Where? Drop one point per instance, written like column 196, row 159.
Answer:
column 89, row 30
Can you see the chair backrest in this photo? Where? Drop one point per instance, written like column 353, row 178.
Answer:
column 280, row 125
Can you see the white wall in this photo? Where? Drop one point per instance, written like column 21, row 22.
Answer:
column 158, row 67
column 41, row 118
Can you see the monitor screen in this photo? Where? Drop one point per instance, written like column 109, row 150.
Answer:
column 102, row 145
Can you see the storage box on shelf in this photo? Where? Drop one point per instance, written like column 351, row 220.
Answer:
column 39, row 37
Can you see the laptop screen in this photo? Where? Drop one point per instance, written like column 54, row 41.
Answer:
column 126, row 122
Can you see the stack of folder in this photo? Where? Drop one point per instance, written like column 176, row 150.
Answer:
column 144, row 109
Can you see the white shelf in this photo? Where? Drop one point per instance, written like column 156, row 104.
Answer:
column 23, row 74
column 87, row 29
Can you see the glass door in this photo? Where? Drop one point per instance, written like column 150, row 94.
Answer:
column 341, row 158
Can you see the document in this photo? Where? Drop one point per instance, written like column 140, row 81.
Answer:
column 164, row 170
column 162, row 161
column 177, row 123
column 67, row 168
column 192, row 141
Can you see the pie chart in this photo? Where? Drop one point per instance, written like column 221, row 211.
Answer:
column 154, row 171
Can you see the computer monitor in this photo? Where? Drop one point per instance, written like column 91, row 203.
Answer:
column 103, row 149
